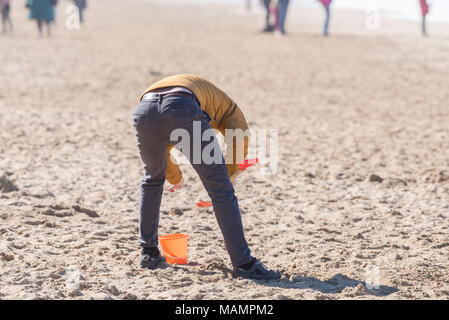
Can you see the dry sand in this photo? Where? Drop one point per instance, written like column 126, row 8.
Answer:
column 357, row 104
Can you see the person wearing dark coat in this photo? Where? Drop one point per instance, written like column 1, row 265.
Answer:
column 268, row 27
column 82, row 5
column 43, row 11
column 6, row 20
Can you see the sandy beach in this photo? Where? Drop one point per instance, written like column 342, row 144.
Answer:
column 359, row 208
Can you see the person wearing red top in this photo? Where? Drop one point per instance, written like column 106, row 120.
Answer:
column 424, row 10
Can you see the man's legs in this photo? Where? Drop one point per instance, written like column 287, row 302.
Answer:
column 215, row 179
column 153, row 153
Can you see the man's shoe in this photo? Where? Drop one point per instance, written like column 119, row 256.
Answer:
column 257, row 271
column 150, row 258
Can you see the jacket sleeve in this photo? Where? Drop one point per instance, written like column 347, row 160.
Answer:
column 238, row 137
column 173, row 174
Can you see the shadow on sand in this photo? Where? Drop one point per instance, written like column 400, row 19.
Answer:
column 336, row 284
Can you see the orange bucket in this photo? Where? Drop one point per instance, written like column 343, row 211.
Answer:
column 174, row 247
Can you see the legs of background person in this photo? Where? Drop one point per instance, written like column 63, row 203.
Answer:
column 6, row 19
column 48, row 23
column 5, row 13
column 424, row 29
column 39, row 26
column 11, row 28
column 3, row 22
column 326, row 22
column 80, row 10
column 282, row 7
column 268, row 26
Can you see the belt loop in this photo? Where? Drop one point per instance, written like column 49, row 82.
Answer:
column 160, row 98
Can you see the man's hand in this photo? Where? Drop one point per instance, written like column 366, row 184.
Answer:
column 235, row 175
column 172, row 187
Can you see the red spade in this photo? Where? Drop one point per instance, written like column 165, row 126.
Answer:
column 248, row 163
column 204, row 204
column 243, row 166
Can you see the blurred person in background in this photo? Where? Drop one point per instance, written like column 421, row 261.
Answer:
column 424, row 10
column 81, row 5
column 267, row 5
column 326, row 4
column 43, row 12
column 282, row 8
column 6, row 20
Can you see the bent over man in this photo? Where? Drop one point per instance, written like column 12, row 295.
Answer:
column 192, row 104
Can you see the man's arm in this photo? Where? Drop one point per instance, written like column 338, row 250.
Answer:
column 173, row 174
column 234, row 128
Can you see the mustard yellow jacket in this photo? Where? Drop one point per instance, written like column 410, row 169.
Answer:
column 223, row 111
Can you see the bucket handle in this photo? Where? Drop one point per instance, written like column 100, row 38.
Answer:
column 171, row 257
column 175, row 258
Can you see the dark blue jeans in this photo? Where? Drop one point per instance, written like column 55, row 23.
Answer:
column 282, row 8
column 424, row 30
column 154, row 120
column 326, row 22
